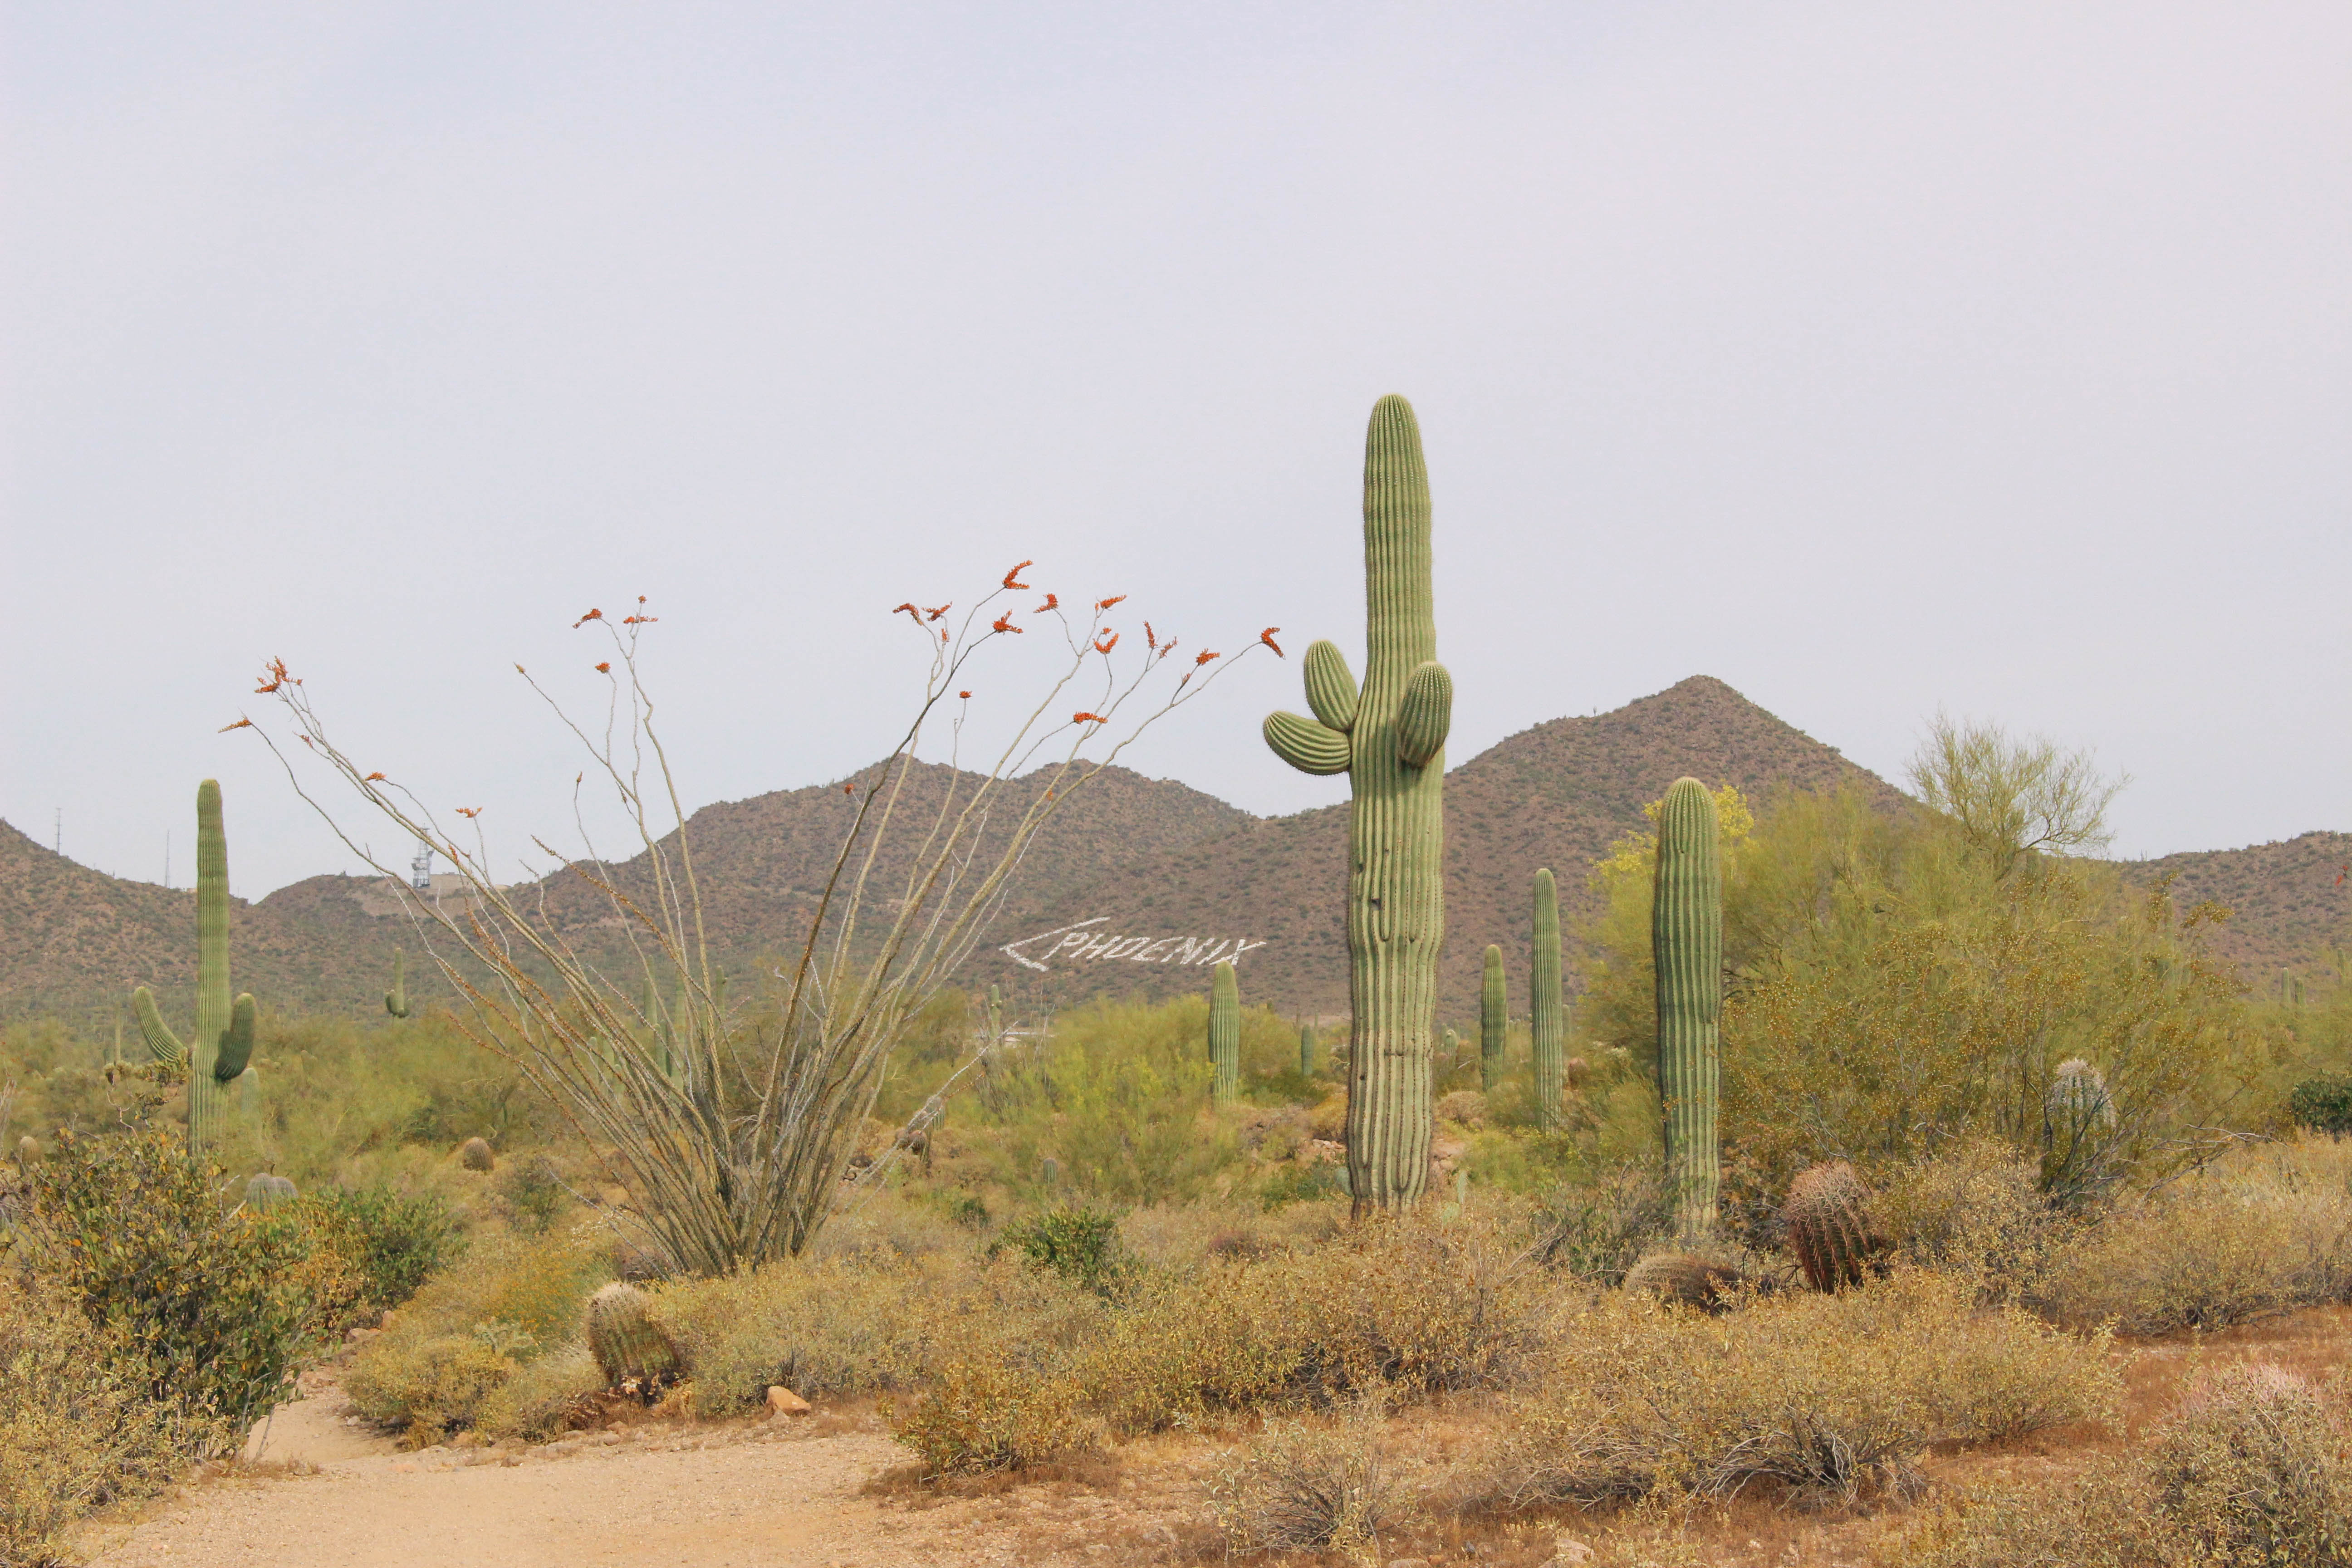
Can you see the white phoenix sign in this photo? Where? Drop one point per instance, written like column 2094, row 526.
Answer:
column 1072, row 943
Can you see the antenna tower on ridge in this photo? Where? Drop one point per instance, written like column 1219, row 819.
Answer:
column 420, row 869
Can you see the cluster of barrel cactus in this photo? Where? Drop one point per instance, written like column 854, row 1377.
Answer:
column 218, row 1052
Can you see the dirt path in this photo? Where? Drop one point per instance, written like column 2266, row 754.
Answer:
column 735, row 1496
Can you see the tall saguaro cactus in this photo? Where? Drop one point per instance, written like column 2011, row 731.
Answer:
column 216, row 1054
column 1686, row 943
column 1390, row 740
column 1225, row 1034
column 1549, row 1029
column 1306, row 1050
column 1494, row 1020
column 396, row 1001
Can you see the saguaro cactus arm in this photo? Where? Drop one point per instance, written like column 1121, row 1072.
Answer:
column 1330, row 686
column 162, row 1043
column 1307, row 745
column 1426, row 714
column 237, row 1040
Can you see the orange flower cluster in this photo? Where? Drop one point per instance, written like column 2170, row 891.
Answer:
column 469, row 811
column 590, row 616
column 1107, row 641
column 1204, row 657
column 965, row 695
column 943, row 609
column 277, row 677
column 605, row 668
column 1003, row 623
column 1088, row 718
column 1267, row 637
column 240, row 724
column 1053, row 602
column 1011, row 578
column 372, row 778
column 639, row 620
column 1102, row 605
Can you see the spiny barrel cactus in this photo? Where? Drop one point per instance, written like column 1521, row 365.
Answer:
column 396, row 1001
column 1493, row 1019
column 475, row 1155
column 1224, row 1033
column 265, row 1192
column 1548, row 1030
column 1827, row 1223
column 1686, row 944
column 631, row 1350
column 1390, row 740
column 218, row 1051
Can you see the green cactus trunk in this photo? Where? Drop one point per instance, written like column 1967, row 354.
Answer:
column 1549, row 1029
column 1686, row 944
column 396, row 1001
column 1494, row 1020
column 1390, row 740
column 1306, row 1050
column 1224, row 1033
column 216, row 1054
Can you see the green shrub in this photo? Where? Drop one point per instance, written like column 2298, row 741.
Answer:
column 75, row 1431
column 1292, row 1182
column 1078, row 1244
column 392, row 1243
column 2322, row 1104
column 533, row 1193
column 213, row 1306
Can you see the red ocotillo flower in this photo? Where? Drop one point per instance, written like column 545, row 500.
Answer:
column 849, row 789
column 1003, row 623
column 908, row 609
column 605, row 668
column 1088, row 718
column 1149, row 639
column 965, row 695
column 639, row 620
column 1204, row 657
column 1267, row 637
column 1107, row 641
column 469, row 811
column 590, row 616
column 1011, row 578
column 372, row 778
column 1102, row 605
column 943, row 609
column 1053, row 602
column 276, row 671
column 240, row 724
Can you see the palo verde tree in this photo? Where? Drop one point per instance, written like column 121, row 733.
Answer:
column 1390, row 740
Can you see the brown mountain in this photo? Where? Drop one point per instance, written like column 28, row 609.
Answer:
column 1151, row 861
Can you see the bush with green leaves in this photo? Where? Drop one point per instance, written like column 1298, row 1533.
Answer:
column 2323, row 1104
column 1078, row 1244
column 392, row 1242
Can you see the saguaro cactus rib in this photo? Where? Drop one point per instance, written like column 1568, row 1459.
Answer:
column 1687, row 945
column 1389, row 739
column 215, row 1054
column 1549, row 1027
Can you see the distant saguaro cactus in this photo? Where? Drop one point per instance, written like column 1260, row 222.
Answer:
column 222, row 1046
column 1494, row 1020
column 267, row 1191
column 1828, row 1224
column 1224, row 1033
column 1306, row 1050
column 629, row 1347
column 1390, row 740
column 1687, row 945
column 1547, row 1030
column 396, row 1001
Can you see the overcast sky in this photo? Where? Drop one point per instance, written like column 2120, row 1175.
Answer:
column 1869, row 357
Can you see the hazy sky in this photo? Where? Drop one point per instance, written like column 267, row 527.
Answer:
column 1870, row 357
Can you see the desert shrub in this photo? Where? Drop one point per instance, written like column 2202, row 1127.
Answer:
column 1412, row 1305
column 997, row 1407
column 1975, row 1209
column 1307, row 1487
column 2254, row 1470
column 2103, row 1515
column 392, row 1243
column 536, row 1399
column 532, row 1191
column 2323, row 1105
column 75, row 1431
column 2263, row 1231
column 213, row 1306
column 1822, row 1393
column 1600, row 1227
column 1078, row 1244
column 470, row 1329
column 1294, row 1182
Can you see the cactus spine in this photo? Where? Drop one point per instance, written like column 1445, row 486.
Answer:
column 1224, row 1033
column 216, row 1054
column 1549, row 1027
column 1494, row 1020
column 1686, row 944
column 1390, row 740
column 396, row 1001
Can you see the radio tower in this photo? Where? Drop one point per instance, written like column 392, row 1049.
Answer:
column 420, row 869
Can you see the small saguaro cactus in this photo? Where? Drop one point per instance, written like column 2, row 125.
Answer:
column 396, row 1001
column 1390, row 740
column 1306, row 1050
column 1687, row 945
column 1452, row 1045
column 1224, row 1033
column 1494, row 1020
column 1548, row 1029
column 265, row 1192
column 1828, row 1224
column 218, row 1051
column 631, row 1350
column 995, row 1016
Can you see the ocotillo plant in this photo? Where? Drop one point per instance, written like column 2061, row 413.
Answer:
column 1390, row 740
column 1225, row 1034
column 218, row 1052
column 1687, row 945
column 1549, row 1029
column 396, row 1001
column 1494, row 1020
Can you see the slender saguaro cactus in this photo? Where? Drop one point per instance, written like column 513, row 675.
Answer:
column 1549, row 1031
column 1225, row 1034
column 1494, row 1020
column 1306, row 1050
column 1686, row 943
column 216, row 1054
column 396, row 1001
column 1390, row 740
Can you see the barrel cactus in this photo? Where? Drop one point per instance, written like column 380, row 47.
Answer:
column 396, row 1001
column 475, row 1155
column 1827, row 1223
column 220, row 1048
column 1548, row 1029
column 1686, row 944
column 265, row 1192
column 631, row 1350
column 1224, row 1033
column 1494, row 1020
column 1390, row 740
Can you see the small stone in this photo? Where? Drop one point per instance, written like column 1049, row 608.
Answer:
column 782, row 1401
column 1567, row 1551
